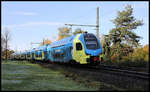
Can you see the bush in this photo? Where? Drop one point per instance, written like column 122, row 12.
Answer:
column 138, row 58
column 107, row 60
column 114, row 58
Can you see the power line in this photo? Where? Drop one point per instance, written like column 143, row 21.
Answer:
column 37, row 43
column 79, row 25
column 97, row 24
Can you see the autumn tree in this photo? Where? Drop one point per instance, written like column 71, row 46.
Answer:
column 106, row 47
column 123, row 33
column 63, row 32
column 78, row 31
column 9, row 52
column 47, row 41
column 2, row 43
column 139, row 57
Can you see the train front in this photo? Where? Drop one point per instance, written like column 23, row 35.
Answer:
column 87, row 49
column 93, row 48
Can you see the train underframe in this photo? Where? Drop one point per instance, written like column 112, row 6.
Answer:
column 93, row 60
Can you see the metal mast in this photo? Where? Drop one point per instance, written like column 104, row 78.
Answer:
column 97, row 23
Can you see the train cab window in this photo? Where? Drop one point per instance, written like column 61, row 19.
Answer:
column 78, row 46
column 91, row 41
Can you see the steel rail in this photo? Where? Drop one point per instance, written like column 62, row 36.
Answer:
column 142, row 75
column 134, row 74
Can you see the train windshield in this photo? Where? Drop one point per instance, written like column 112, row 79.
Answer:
column 91, row 41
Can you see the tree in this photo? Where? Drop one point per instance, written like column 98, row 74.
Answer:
column 9, row 52
column 122, row 33
column 78, row 31
column 2, row 43
column 125, row 23
column 6, row 39
column 63, row 32
column 106, row 45
column 47, row 41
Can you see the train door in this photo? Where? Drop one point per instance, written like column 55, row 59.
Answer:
column 45, row 55
column 33, row 56
column 41, row 55
column 71, row 51
column 78, row 52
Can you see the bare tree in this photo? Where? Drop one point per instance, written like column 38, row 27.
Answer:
column 2, row 43
column 6, row 39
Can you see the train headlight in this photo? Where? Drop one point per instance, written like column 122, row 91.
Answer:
column 96, row 59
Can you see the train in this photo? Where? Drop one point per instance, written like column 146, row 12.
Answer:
column 83, row 48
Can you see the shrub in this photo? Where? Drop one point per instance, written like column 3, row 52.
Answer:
column 139, row 58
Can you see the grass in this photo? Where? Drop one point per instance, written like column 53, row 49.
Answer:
column 24, row 76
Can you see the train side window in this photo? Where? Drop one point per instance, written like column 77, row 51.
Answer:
column 78, row 46
column 37, row 55
column 28, row 55
column 71, row 48
column 40, row 55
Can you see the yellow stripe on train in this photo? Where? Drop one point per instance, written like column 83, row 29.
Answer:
column 79, row 55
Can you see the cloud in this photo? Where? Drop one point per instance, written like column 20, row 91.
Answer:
column 24, row 13
column 33, row 24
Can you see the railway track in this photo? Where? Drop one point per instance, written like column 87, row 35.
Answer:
column 118, row 78
column 126, row 68
column 110, row 69
column 123, row 72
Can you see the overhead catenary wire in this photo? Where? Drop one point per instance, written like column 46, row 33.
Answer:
column 97, row 24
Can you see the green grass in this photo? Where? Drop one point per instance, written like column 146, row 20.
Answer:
column 24, row 76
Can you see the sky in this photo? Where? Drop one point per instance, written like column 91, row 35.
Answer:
column 33, row 21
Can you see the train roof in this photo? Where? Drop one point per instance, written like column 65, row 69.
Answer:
column 40, row 48
column 62, row 41
column 13, row 54
column 23, row 52
column 16, row 53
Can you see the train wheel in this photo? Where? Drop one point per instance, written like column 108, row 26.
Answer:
column 73, row 62
column 102, row 61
